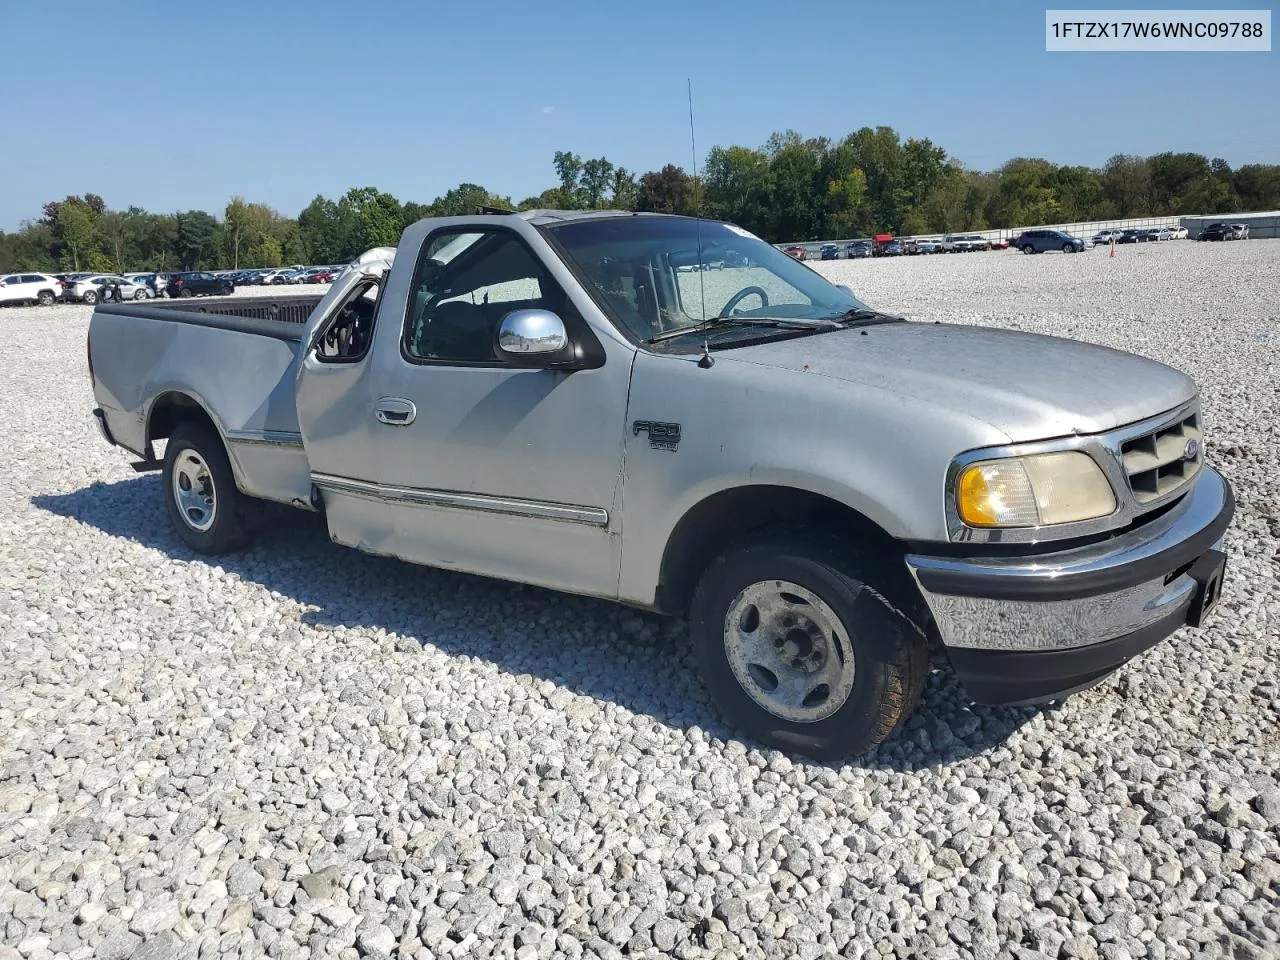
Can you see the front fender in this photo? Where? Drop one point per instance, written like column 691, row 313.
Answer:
column 884, row 455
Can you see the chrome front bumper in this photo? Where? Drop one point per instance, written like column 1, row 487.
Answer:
column 995, row 613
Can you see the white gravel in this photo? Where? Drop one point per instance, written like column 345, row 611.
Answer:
column 306, row 751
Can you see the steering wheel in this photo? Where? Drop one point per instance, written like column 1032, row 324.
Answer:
column 741, row 295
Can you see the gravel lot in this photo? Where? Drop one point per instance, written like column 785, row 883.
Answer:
column 306, row 751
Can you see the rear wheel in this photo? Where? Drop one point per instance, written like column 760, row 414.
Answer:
column 200, row 494
column 225, row 291
column 45, row 298
column 1027, row 248
column 801, row 651
column 91, row 297
column 185, row 292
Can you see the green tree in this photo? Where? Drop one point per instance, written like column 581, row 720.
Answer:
column 74, row 229
column 623, row 189
column 878, row 154
column 549, row 199
column 1187, row 182
column 326, row 233
column 465, row 198
column 196, row 240
column 797, row 187
column 378, row 216
column 597, row 175
column 246, row 228
column 1126, row 188
column 844, row 201
column 735, row 185
column 669, row 190
column 569, row 169
column 1258, row 186
column 113, row 241
column 1026, row 194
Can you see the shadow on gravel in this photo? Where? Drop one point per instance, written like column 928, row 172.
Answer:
column 639, row 661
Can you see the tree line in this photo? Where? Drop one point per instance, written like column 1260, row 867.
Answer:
column 792, row 188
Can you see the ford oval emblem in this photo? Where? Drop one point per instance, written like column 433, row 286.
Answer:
column 1191, row 450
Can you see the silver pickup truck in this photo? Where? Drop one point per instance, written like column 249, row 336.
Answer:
column 834, row 497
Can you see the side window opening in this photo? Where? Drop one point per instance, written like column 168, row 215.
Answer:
column 465, row 283
column 349, row 331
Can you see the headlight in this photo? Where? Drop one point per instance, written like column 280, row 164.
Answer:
column 1032, row 491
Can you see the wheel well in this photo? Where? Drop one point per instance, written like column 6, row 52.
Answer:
column 730, row 515
column 171, row 409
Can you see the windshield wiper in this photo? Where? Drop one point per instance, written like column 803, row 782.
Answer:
column 866, row 317
column 779, row 323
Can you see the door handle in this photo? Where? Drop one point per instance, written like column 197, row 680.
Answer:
column 395, row 412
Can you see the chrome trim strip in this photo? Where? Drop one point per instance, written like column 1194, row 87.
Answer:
column 536, row 509
column 1104, row 449
column 977, row 623
column 279, row 438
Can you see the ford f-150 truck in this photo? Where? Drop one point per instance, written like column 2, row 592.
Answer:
column 835, row 497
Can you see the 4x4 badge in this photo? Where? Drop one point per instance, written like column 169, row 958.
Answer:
column 662, row 436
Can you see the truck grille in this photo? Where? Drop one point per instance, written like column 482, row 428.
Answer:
column 1163, row 461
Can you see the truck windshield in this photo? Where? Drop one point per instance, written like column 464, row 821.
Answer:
column 656, row 275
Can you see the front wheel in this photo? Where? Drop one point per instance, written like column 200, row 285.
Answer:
column 200, row 494
column 801, row 651
column 1068, row 248
column 139, row 294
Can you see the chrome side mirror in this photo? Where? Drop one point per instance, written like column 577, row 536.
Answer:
column 530, row 334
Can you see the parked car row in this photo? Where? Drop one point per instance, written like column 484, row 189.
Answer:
column 885, row 245
column 91, row 288
column 284, row 276
column 1225, row 231
column 1029, row 241
column 47, row 288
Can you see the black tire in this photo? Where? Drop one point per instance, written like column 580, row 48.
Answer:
column 228, row 531
column 1068, row 248
column 185, row 292
column 225, row 291
column 139, row 294
column 1028, row 248
column 90, row 298
column 45, row 298
column 890, row 653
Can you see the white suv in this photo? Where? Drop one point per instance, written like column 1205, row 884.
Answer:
column 29, row 288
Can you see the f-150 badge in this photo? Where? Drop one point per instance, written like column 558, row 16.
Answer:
column 662, row 436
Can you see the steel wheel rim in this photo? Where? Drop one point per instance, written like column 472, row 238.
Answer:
column 193, row 491
column 789, row 651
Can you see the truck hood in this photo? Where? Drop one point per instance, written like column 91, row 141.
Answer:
column 1028, row 386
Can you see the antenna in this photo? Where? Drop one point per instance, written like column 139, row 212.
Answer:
column 706, row 360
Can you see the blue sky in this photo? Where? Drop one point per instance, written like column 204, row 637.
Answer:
column 278, row 101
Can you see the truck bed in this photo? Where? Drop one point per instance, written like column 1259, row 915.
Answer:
column 234, row 356
column 281, row 317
